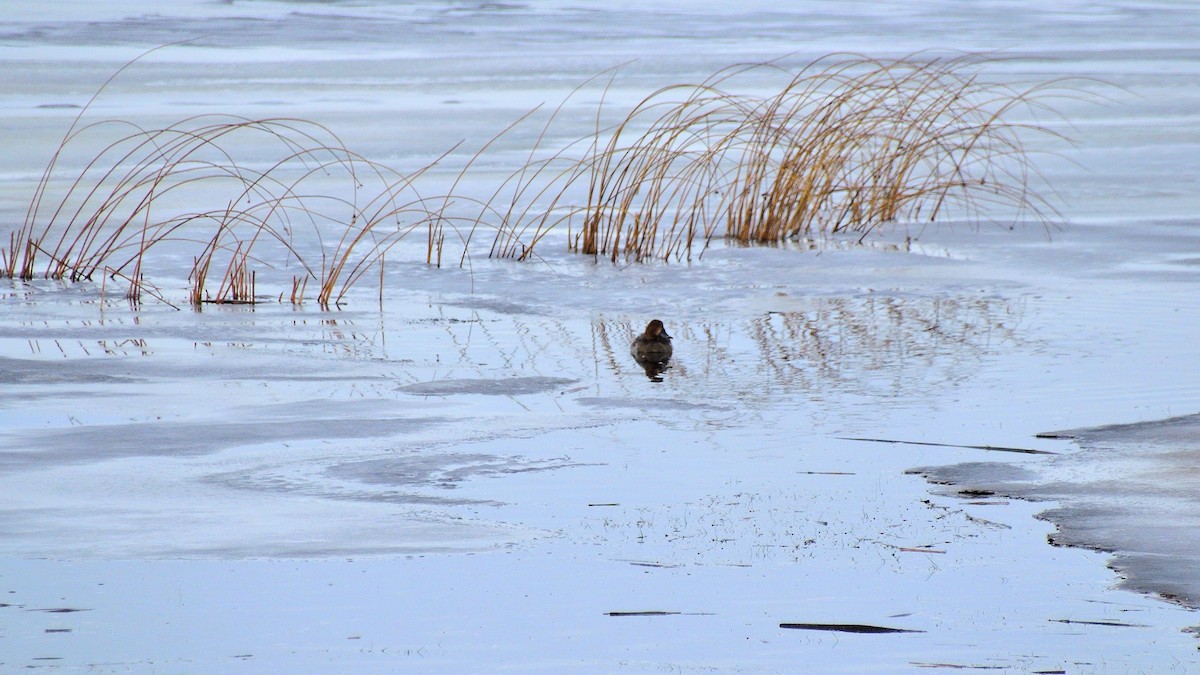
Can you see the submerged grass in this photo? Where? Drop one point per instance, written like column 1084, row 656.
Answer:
column 848, row 144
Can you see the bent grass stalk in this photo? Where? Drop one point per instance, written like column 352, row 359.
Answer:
column 849, row 144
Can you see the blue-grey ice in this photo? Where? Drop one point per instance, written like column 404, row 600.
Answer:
column 467, row 472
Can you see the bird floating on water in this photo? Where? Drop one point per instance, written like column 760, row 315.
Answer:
column 654, row 345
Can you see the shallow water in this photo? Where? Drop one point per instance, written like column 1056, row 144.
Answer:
column 471, row 472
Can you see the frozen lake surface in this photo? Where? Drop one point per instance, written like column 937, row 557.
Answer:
column 470, row 473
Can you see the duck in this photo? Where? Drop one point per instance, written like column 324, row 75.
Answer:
column 654, row 345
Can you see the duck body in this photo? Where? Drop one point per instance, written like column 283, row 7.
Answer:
column 652, row 345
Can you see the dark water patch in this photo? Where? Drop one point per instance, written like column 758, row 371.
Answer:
column 510, row 386
column 848, row 628
column 183, row 439
column 1093, row 622
column 1183, row 429
column 445, row 470
column 616, row 402
column 408, row 478
column 304, row 551
column 1132, row 490
column 229, row 31
column 993, row 473
column 407, row 495
column 52, row 372
column 990, row 448
column 1169, row 576
column 499, row 306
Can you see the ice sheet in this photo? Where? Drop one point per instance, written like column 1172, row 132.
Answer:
column 471, row 474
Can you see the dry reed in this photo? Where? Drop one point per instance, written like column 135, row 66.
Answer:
column 108, row 216
column 848, row 144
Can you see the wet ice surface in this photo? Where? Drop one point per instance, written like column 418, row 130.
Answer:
column 356, row 439
column 1130, row 489
column 475, row 474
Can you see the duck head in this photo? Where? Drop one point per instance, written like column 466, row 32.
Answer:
column 655, row 330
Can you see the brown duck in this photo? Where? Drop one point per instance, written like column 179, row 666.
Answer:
column 654, row 345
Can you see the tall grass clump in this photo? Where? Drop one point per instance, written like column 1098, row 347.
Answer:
column 847, row 144
column 137, row 194
column 228, row 195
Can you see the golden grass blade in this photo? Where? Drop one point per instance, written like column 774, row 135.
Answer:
column 847, row 144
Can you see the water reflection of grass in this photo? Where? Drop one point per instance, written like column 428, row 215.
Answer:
column 886, row 340
column 878, row 344
column 846, row 144
column 873, row 345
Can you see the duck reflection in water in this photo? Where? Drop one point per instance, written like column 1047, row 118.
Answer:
column 652, row 350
